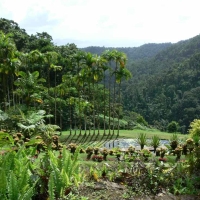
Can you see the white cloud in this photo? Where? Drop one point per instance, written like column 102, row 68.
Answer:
column 106, row 22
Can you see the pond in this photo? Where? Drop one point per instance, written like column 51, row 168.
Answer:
column 125, row 143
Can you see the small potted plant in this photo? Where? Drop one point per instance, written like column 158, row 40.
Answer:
column 178, row 151
column 146, row 154
column 72, row 147
column 89, row 152
column 158, row 150
column 111, row 152
column 173, row 144
column 118, row 155
column 104, row 153
column 184, row 149
column 96, row 150
column 162, row 152
column 190, row 144
column 131, row 150
column 55, row 140
column 174, row 141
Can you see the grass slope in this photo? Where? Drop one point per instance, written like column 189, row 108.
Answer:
column 87, row 138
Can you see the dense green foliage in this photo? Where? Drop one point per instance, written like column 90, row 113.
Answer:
column 165, row 88
column 133, row 53
column 84, row 88
column 79, row 90
column 45, row 87
column 165, row 82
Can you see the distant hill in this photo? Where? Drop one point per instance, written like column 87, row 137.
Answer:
column 133, row 53
column 166, row 86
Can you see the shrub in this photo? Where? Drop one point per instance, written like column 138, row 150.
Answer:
column 142, row 140
column 172, row 127
column 155, row 142
column 140, row 119
column 195, row 128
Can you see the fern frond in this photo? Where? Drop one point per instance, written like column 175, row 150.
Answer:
column 8, row 161
column 28, row 194
column 13, row 190
column 51, row 187
column 24, row 177
column 58, row 180
column 5, row 139
column 53, row 158
column 3, row 182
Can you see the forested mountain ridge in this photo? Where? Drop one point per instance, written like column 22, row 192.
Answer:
column 165, row 87
column 133, row 53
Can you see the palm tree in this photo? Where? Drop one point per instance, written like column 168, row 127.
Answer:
column 108, row 55
column 120, row 74
column 66, row 91
column 78, row 60
column 50, row 59
column 103, row 65
column 90, row 62
column 36, row 59
column 29, row 87
column 55, row 68
column 98, row 75
column 9, row 64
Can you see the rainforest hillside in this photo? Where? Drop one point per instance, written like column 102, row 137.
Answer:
column 164, row 87
column 133, row 53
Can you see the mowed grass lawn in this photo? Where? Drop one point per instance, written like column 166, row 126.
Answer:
column 132, row 134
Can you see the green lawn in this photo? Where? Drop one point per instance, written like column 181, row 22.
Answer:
column 94, row 137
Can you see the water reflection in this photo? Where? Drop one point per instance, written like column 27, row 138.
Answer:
column 125, row 143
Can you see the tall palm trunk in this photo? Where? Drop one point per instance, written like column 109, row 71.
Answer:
column 109, row 107
column 89, row 93
column 70, row 117
column 104, row 111
column 94, row 107
column 75, row 118
column 13, row 94
column 114, row 96
column 55, row 99
column 119, row 108
column 98, row 112
column 48, row 88
column 4, row 91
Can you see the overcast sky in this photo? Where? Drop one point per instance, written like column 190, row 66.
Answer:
column 109, row 23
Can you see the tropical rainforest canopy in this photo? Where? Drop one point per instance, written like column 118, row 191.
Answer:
column 85, row 88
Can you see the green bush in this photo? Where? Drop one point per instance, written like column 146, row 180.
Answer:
column 195, row 128
column 172, row 127
column 141, row 120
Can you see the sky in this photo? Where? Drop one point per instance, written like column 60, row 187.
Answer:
column 108, row 23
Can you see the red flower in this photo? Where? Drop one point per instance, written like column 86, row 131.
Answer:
column 163, row 159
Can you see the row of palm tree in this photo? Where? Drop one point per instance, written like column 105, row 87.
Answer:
column 77, row 90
